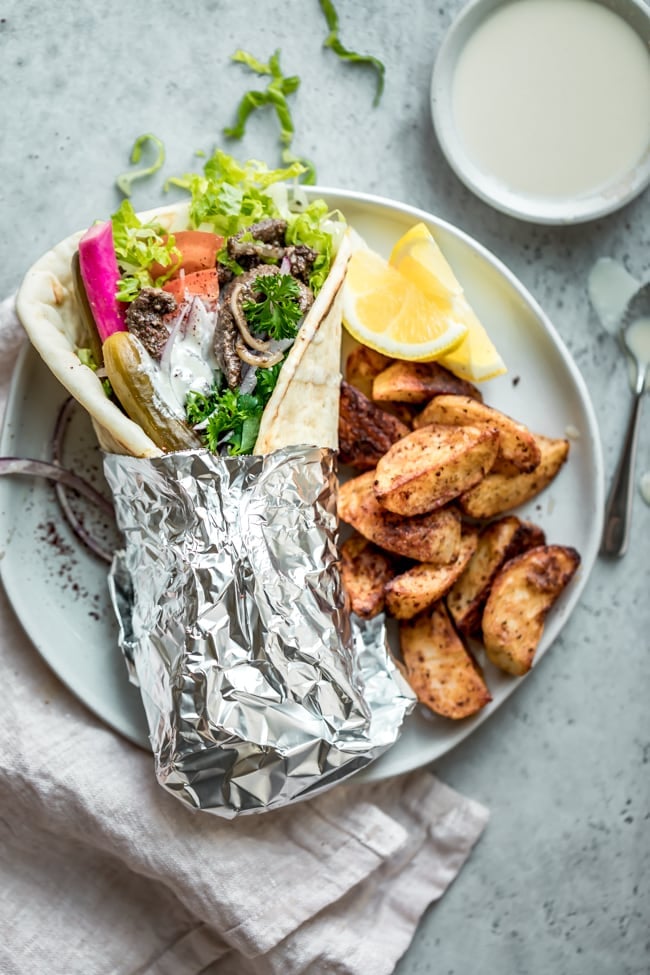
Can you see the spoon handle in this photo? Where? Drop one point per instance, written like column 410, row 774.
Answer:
column 618, row 512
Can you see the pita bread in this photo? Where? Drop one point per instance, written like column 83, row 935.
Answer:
column 303, row 408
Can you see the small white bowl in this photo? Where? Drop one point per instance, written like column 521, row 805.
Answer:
column 539, row 209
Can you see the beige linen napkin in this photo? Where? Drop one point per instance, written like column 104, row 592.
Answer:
column 103, row 872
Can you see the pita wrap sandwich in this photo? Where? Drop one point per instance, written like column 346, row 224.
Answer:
column 217, row 324
column 213, row 323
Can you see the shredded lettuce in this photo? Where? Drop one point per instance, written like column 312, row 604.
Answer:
column 274, row 95
column 307, row 227
column 138, row 245
column 231, row 196
column 87, row 358
column 333, row 42
column 126, row 180
column 309, row 168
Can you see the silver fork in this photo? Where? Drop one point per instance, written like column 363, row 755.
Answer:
column 618, row 511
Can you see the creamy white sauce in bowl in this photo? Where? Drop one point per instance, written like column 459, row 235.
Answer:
column 542, row 107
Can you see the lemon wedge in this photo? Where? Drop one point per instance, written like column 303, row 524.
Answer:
column 417, row 256
column 386, row 311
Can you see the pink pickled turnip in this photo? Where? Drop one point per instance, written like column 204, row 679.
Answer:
column 101, row 275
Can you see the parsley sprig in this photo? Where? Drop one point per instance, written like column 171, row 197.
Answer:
column 277, row 313
column 231, row 418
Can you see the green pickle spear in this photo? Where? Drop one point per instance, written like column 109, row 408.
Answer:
column 91, row 335
column 125, row 361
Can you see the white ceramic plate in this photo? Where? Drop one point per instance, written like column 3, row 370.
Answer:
column 58, row 589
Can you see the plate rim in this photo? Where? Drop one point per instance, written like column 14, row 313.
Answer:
column 94, row 702
column 375, row 771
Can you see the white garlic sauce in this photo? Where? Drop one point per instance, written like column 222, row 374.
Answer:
column 192, row 362
column 188, row 363
column 610, row 288
column 552, row 97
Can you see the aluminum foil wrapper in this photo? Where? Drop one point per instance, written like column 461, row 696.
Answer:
column 259, row 686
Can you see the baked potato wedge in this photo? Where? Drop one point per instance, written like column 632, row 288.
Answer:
column 413, row 591
column 418, row 382
column 406, row 412
column 439, row 668
column 365, row 570
column 429, row 467
column 498, row 492
column 521, row 595
column 365, row 430
column 517, row 444
column 503, row 466
column 434, row 537
column 361, row 367
column 499, row 541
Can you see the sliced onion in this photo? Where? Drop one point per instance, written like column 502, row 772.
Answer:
column 201, row 322
column 249, row 380
column 165, row 359
column 66, row 479
column 335, row 225
column 240, row 320
column 280, row 196
column 299, row 199
column 263, row 359
column 280, row 345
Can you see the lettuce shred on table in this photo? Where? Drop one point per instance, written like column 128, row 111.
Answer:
column 333, row 41
column 126, row 180
column 274, row 97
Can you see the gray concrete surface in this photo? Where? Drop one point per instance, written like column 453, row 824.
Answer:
column 559, row 882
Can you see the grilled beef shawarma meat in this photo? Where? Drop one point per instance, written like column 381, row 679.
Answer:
column 365, row 430
column 268, row 245
column 268, row 241
column 148, row 319
column 233, row 341
column 225, row 337
column 301, row 259
column 224, row 274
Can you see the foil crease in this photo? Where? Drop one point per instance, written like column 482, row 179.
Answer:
column 258, row 684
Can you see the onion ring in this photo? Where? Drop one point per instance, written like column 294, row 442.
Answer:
column 263, row 359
